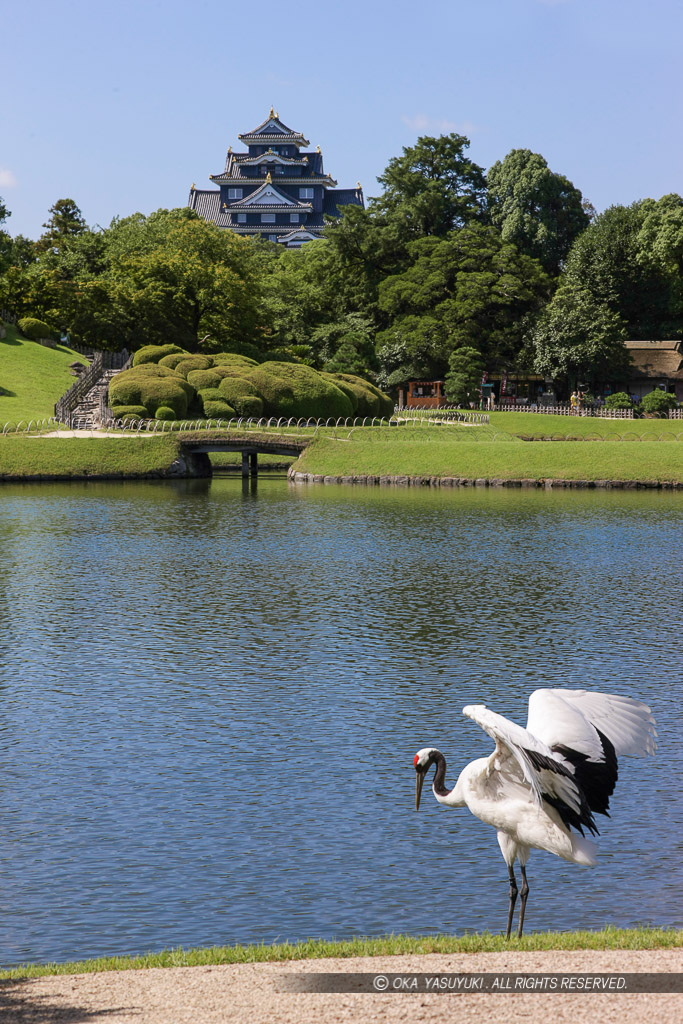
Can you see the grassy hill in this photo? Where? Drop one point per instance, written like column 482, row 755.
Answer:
column 32, row 378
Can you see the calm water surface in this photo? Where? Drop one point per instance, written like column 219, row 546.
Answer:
column 210, row 700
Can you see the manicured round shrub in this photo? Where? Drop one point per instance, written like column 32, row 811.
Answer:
column 152, row 370
column 192, row 363
column 133, row 388
column 164, row 412
column 122, row 412
column 292, row 389
column 201, row 379
column 619, row 400
column 153, row 353
column 237, row 387
column 231, row 370
column 219, row 411
column 658, row 402
column 371, row 401
column 175, row 358
column 34, row 329
column 211, row 395
column 248, row 405
column 225, row 358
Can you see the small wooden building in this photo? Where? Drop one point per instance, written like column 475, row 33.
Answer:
column 656, row 364
column 424, row 394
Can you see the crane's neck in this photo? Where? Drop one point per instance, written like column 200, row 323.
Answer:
column 451, row 797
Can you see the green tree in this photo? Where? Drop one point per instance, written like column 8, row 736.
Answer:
column 66, row 222
column 468, row 289
column 433, row 187
column 463, row 380
column 539, row 211
column 579, row 339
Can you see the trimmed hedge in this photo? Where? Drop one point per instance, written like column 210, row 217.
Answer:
column 34, row 329
column 153, row 353
column 237, row 387
column 165, row 413
column 219, row 410
column 152, row 392
column 658, row 401
column 201, row 379
column 225, row 358
column 152, row 370
column 371, row 401
column 175, row 358
column 293, row 389
column 192, row 363
column 136, row 411
column 211, row 395
column 619, row 400
column 248, row 405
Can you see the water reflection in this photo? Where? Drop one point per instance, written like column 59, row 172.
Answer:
column 211, row 696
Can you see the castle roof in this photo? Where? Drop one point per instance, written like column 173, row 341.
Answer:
column 273, row 130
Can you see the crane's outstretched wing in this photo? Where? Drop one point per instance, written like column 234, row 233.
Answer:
column 589, row 730
column 548, row 774
column 573, row 719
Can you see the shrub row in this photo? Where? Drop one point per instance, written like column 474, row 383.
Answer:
column 169, row 383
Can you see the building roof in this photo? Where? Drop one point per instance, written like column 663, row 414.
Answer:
column 273, row 130
column 336, row 197
column 656, row 359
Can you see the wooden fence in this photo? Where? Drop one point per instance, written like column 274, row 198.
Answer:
column 87, row 380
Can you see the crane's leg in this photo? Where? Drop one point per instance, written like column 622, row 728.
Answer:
column 513, row 899
column 524, row 892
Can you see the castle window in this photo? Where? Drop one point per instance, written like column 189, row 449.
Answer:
column 267, row 218
column 294, row 218
column 241, row 218
column 235, row 193
column 272, row 238
column 305, row 193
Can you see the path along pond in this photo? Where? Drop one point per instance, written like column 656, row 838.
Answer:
column 211, row 695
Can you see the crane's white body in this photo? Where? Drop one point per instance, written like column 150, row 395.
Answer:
column 562, row 745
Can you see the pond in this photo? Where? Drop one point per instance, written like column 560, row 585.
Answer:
column 211, row 695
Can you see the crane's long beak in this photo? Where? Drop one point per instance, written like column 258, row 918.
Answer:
column 419, row 779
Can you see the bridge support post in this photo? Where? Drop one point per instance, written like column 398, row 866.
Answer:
column 245, row 463
column 253, row 461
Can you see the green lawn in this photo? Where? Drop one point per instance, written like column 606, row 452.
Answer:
column 388, row 945
column 24, row 456
column 477, row 452
column 32, row 377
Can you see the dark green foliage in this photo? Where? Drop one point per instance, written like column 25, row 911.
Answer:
column 164, row 412
column 173, row 360
column 539, row 211
column 232, row 388
column 248, row 405
column 152, row 370
column 230, row 370
column 290, row 389
column 227, row 358
column 153, row 353
column 463, row 381
column 619, row 400
column 434, row 187
column 137, row 412
column 34, row 329
column 192, row 363
column 132, row 388
column 201, row 379
column 366, row 398
column 211, row 395
column 219, row 410
column 658, row 402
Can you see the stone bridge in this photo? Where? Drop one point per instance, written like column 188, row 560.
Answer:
column 194, row 452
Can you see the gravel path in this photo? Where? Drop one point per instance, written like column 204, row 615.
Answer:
column 254, row 993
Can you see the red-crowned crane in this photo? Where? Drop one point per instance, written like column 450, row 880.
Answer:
column 543, row 781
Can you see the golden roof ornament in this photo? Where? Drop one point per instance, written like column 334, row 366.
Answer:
column 358, row 185
column 269, row 179
column 317, row 149
column 277, row 114
column 229, row 149
column 272, row 112
column 193, row 187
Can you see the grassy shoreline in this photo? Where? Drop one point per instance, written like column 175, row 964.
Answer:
column 650, row 457
column 387, row 945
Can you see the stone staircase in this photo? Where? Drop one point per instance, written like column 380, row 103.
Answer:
column 86, row 415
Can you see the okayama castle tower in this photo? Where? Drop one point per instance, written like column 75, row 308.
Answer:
column 275, row 189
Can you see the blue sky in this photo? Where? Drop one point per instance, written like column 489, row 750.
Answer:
column 121, row 106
